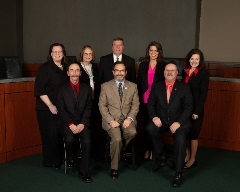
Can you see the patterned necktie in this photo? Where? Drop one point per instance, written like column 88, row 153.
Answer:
column 75, row 91
column 168, row 92
column 120, row 91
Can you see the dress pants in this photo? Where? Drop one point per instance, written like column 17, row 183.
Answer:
column 180, row 142
column 51, row 140
column 116, row 143
column 71, row 141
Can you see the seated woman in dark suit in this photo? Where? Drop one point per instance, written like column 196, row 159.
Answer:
column 197, row 77
column 151, row 70
column 90, row 76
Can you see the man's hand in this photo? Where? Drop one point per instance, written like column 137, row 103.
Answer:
column 80, row 127
column 174, row 127
column 157, row 121
column 114, row 124
column 74, row 129
column 127, row 122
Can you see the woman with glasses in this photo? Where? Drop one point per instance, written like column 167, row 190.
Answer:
column 197, row 77
column 151, row 70
column 90, row 76
column 50, row 76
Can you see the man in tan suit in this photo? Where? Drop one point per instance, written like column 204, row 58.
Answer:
column 119, row 105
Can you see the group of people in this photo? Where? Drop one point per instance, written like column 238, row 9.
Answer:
column 72, row 100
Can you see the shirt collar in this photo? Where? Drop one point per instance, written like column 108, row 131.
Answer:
column 115, row 57
column 169, row 83
column 117, row 82
column 194, row 72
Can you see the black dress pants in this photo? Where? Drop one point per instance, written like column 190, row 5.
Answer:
column 180, row 141
column 71, row 141
column 51, row 139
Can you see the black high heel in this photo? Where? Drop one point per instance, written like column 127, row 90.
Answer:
column 191, row 166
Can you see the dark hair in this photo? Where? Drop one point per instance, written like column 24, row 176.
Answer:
column 49, row 58
column 82, row 52
column 73, row 62
column 159, row 50
column 118, row 39
column 119, row 62
column 189, row 55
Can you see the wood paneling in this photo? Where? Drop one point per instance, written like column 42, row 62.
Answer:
column 19, row 131
column 2, row 125
column 3, row 157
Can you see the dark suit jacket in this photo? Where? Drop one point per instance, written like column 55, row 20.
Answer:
column 106, row 67
column 179, row 108
column 84, row 78
column 143, row 76
column 199, row 87
column 71, row 110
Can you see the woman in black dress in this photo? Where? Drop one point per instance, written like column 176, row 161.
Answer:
column 50, row 76
column 150, row 70
column 197, row 77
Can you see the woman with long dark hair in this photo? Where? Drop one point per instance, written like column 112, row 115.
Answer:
column 197, row 77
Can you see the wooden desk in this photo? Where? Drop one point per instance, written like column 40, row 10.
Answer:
column 19, row 133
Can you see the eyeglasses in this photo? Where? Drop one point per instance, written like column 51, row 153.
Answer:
column 120, row 71
column 171, row 71
column 87, row 54
column 57, row 52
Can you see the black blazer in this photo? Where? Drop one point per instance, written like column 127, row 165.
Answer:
column 106, row 67
column 84, row 78
column 71, row 110
column 142, row 79
column 48, row 80
column 199, row 87
column 179, row 108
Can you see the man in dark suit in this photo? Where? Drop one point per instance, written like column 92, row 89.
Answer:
column 170, row 107
column 118, row 105
column 107, row 62
column 74, row 108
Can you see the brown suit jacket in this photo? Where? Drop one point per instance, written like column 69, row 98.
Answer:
column 110, row 105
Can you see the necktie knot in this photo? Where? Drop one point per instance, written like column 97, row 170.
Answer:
column 117, row 59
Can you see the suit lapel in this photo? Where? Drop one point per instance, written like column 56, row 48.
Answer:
column 125, row 91
column 174, row 91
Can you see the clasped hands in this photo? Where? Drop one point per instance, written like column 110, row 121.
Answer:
column 76, row 128
column 125, row 124
column 157, row 121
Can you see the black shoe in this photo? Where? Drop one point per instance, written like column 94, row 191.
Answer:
column 191, row 166
column 70, row 163
column 114, row 173
column 158, row 162
column 177, row 181
column 85, row 176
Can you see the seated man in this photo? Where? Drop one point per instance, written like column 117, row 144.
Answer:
column 119, row 105
column 74, row 108
column 170, row 107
